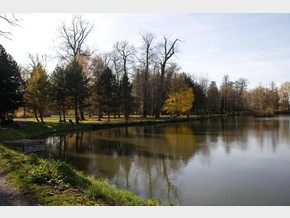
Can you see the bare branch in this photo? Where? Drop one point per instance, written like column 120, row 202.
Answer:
column 125, row 53
column 73, row 38
column 10, row 20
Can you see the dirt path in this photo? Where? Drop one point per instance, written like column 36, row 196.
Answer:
column 10, row 196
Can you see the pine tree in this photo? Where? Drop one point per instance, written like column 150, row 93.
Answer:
column 59, row 91
column 11, row 93
column 77, row 86
column 105, row 89
column 126, row 96
column 213, row 98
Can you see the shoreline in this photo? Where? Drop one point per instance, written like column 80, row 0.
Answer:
column 35, row 130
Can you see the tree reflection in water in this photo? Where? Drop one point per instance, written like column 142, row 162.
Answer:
column 150, row 160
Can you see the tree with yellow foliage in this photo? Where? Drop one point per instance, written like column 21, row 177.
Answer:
column 179, row 101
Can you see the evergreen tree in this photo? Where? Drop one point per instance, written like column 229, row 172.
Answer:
column 106, row 88
column 77, row 86
column 37, row 91
column 213, row 98
column 126, row 96
column 11, row 93
column 59, row 91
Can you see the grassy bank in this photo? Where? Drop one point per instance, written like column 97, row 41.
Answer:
column 56, row 183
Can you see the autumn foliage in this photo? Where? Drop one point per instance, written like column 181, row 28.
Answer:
column 179, row 102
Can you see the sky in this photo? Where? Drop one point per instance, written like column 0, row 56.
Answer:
column 254, row 46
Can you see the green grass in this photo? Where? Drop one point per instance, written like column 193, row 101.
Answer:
column 29, row 128
column 55, row 183
column 32, row 130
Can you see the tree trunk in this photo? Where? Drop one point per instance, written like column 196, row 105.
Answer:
column 35, row 114
column 126, row 116
column 82, row 115
column 222, row 105
column 24, row 111
column 145, row 99
column 60, row 116
column 76, row 111
column 100, row 115
column 1, row 118
column 63, row 114
column 40, row 114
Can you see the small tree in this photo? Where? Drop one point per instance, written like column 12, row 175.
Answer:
column 179, row 102
column 284, row 94
column 37, row 91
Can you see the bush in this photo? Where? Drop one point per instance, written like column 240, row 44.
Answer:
column 45, row 173
column 266, row 113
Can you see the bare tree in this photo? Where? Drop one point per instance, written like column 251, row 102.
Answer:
column 9, row 20
column 284, row 94
column 126, row 53
column 240, row 87
column 116, row 64
column 73, row 38
column 167, row 49
column 35, row 59
column 147, row 55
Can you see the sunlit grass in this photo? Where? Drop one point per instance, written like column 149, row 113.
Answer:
column 55, row 183
column 94, row 119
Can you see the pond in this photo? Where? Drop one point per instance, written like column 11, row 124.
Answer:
column 239, row 160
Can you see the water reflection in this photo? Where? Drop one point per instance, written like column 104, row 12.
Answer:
column 181, row 163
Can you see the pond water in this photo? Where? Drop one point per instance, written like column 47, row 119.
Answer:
column 222, row 161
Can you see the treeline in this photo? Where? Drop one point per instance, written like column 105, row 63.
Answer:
column 127, row 80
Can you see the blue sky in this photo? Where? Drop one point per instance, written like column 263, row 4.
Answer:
column 255, row 46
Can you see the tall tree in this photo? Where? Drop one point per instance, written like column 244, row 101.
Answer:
column 74, row 37
column 228, row 94
column 59, row 91
column 213, row 101
column 166, row 49
column 147, row 53
column 105, row 89
column 240, row 87
column 76, row 83
column 126, row 96
column 37, row 91
column 126, row 53
column 11, row 82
